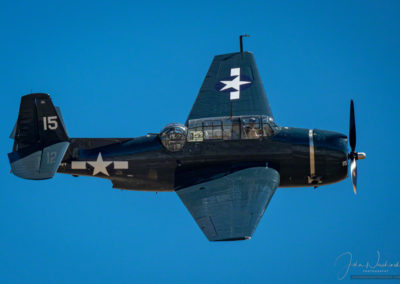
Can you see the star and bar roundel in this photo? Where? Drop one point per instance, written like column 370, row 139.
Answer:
column 99, row 166
column 233, row 84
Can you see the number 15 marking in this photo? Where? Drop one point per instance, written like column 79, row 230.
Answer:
column 50, row 122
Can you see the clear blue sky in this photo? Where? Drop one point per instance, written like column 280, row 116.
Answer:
column 125, row 68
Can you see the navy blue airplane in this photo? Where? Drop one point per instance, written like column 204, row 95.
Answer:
column 225, row 163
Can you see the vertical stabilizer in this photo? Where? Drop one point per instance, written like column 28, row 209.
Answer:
column 40, row 138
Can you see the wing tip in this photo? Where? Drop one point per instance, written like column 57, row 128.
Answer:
column 232, row 239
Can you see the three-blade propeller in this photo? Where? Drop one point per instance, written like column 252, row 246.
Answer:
column 353, row 155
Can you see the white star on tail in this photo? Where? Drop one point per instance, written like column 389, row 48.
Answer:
column 100, row 165
column 234, row 84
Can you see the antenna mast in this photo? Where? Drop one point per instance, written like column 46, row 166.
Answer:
column 241, row 41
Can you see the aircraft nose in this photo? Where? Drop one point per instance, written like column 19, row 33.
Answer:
column 331, row 154
column 330, row 140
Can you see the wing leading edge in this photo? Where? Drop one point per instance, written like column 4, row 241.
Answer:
column 232, row 86
column 229, row 208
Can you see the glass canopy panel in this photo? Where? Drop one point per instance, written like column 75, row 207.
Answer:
column 231, row 128
column 268, row 125
column 251, row 128
column 227, row 129
column 217, row 129
column 195, row 131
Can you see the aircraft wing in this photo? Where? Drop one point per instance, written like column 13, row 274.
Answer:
column 232, row 86
column 229, row 208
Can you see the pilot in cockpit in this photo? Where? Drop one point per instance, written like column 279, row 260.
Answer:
column 252, row 130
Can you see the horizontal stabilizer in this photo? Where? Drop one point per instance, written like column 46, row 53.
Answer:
column 41, row 164
column 12, row 135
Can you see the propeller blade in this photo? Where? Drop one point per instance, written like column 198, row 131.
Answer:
column 352, row 129
column 353, row 171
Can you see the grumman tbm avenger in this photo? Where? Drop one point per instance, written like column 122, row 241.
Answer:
column 225, row 163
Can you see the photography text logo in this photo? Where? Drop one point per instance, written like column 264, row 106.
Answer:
column 378, row 268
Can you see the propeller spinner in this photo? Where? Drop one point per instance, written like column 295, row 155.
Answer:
column 353, row 155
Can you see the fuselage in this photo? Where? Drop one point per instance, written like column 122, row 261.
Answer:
column 303, row 157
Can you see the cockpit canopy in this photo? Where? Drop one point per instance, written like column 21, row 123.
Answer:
column 174, row 135
column 231, row 128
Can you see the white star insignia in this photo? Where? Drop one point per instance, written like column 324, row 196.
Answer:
column 234, row 84
column 100, row 166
